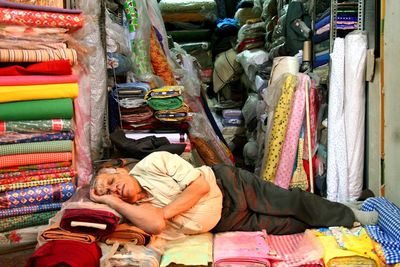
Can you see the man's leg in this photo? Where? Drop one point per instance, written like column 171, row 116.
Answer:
column 267, row 198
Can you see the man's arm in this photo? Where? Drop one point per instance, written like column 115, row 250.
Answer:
column 188, row 198
column 145, row 216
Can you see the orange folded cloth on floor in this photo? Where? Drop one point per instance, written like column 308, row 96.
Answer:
column 54, row 232
column 125, row 233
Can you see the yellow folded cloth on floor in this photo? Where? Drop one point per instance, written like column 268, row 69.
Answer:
column 340, row 242
column 54, row 232
column 35, row 92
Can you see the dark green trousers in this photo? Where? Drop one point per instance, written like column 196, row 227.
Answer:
column 252, row 204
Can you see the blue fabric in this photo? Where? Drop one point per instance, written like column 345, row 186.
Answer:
column 322, row 22
column 321, row 60
column 387, row 231
column 321, row 37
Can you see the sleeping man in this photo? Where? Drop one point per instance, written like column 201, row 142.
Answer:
column 163, row 192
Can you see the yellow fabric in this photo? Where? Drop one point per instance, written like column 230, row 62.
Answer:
column 352, row 245
column 279, row 127
column 35, row 92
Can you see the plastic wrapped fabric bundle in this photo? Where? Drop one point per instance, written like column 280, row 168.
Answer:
column 188, row 10
column 118, row 64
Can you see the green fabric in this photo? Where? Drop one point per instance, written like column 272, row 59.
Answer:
column 321, row 46
column 37, row 110
column 17, row 222
column 36, row 147
column 165, row 103
column 38, row 126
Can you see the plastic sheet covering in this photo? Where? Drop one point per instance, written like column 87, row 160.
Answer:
column 93, row 89
column 201, row 127
column 19, row 237
column 189, row 76
column 116, row 42
column 158, row 23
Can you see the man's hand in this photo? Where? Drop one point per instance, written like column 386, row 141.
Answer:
column 104, row 199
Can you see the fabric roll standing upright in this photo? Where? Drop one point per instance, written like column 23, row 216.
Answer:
column 337, row 178
column 354, row 106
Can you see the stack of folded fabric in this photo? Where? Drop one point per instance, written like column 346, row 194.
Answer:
column 84, row 224
column 321, row 39
column 347, row 17
column 193, row 250
column 241, row 249
column 321, row 45
column 36, row 111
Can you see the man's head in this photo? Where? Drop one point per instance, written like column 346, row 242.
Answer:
column 117, row 182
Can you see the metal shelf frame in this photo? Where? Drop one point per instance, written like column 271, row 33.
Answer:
column 360, row 18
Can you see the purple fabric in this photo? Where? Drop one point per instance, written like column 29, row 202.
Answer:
column 5, row 3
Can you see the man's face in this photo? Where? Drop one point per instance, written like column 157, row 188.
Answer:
column 119, row 184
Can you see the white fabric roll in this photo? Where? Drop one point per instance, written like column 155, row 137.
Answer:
column 282, row 65
column 337, row 182
column 355, row 59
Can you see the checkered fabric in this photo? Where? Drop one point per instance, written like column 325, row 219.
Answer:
column 387, row 231
column 34, row 158
column 285, row 246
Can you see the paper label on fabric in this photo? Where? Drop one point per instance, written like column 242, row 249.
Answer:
column 57, row 124
column 101, row 226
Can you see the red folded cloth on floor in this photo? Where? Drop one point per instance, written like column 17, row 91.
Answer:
column 89, row 216
column 67, row 252
column 54, row 67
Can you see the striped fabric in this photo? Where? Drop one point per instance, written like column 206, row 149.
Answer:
column 15, row 186
column 33, row 169
column 51, row 174
column 29, row 210
column 38, row 147
column 35, row 158
column 285, row 246
column 40, row 55
column 387, row 231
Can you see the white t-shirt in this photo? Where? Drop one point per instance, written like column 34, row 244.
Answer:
column 165, row 176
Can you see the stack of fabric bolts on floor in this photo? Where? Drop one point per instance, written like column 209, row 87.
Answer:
column 37, row 89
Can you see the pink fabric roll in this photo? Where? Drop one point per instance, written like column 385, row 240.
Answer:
column 37, row 79
column 289, row 148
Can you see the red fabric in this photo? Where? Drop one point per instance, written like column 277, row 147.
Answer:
column 37, row 79
column 54, row 67
column 307, row 170
column 73, row 253
column 89, row 215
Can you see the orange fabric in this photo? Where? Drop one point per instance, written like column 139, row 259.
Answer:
column 34, row 158
column 159, row 61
